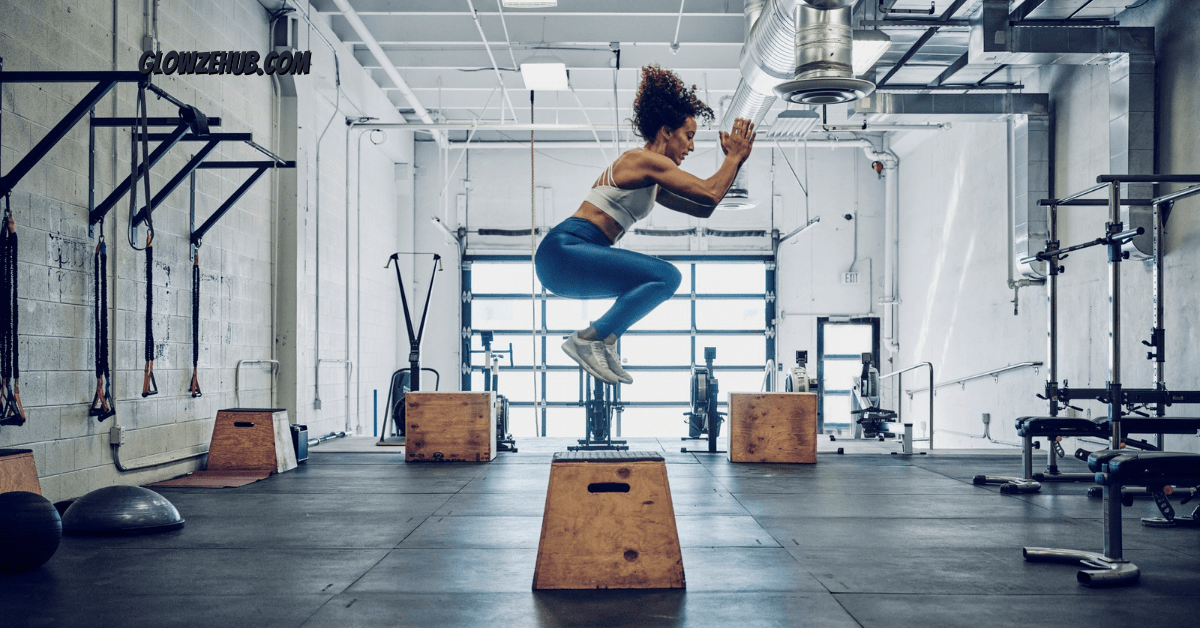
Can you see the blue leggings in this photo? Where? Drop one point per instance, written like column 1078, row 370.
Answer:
column 576, row 260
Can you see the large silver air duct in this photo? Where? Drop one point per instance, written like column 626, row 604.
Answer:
column 824, row 53
column 769, row 57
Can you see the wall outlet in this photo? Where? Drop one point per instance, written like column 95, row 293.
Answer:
column 850, row 278
column 987, row 418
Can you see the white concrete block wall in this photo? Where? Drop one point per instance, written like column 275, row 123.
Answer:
column 237, row 291
column 952, row 189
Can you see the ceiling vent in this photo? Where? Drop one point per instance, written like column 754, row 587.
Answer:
column 824, row 59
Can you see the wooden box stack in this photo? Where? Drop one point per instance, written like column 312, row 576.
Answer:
column 252, row 439
column 450, row 427
column 609, row 523
column 18, row 471
column 773, row 427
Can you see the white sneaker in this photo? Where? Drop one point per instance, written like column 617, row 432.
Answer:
column 591, row 356
column 614, row 364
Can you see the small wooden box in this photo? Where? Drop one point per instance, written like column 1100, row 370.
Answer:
column 609, row 523
column 773, row 427
column 252, row 439
column 18, row 471
column 450, row 427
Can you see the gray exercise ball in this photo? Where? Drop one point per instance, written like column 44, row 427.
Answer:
column 30, row 531
column 120, row 511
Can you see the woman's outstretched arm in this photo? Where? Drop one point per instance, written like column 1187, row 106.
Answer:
column 688, row 193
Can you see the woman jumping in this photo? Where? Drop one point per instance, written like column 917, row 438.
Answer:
column 577, row 259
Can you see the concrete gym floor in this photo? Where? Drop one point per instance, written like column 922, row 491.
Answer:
column 362, row 539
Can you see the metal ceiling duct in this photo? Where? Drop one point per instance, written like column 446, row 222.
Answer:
column 824, row 59
column 768, row 58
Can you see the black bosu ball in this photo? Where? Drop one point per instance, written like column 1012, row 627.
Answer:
column 30, row 530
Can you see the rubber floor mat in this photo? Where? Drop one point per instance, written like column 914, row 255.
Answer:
column 216, row 479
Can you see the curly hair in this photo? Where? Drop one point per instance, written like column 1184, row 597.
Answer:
column 664, row 101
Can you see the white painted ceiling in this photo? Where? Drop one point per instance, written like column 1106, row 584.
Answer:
column 437, row 49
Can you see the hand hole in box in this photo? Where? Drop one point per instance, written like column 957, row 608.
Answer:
column 608, row 487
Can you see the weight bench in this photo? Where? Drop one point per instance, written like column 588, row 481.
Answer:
column 1114, row 470
column 1057, row 428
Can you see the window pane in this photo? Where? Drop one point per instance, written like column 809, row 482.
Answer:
column 840, row 374
column 675, row 314
column 648, row 350
column 730, row 278
column 737, row 381
column 659, row 386
column 836, row 410
column 732, row 314
column 522, row 422
column 563, row 385
column 574, row 314
column 847, row 339
column 501, row 314
column 517, row 385
column 740, row 350
column 522, row 347
column 565, row 422
column 656, row 422
column 501, row 278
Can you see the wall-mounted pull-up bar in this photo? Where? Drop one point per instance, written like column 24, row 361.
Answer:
column 260, row 167
column 105, row 82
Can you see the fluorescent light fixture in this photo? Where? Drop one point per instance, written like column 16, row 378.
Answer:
column 793, row 124
column 530, row 4
column 544, row 73
column 869, row 46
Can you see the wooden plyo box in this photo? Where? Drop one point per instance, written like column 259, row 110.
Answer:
column 609, row 524
column 252, row 439
column 773, row 427
column 450, row 427
column 18, row 471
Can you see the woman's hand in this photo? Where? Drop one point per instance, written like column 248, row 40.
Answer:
column 739, row 141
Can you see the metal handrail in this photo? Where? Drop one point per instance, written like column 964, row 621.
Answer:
column 898, row 385
column 961, row 380
column 237, row 372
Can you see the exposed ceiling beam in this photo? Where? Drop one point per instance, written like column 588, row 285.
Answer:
column 356, row 22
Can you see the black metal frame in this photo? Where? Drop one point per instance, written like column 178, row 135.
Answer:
column 105, row 82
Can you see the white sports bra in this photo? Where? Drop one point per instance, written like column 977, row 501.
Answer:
column 624, row 206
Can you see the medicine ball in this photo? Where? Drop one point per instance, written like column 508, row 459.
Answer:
column 30, row 531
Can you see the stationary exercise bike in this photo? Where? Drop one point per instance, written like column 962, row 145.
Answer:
column 491, row 381
column 864, row 403
column 704, row 421
column 600, row 402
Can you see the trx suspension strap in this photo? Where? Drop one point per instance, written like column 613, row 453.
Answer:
column 11, row 411
column 149, row 386
column 102, row 403
column 195, row 389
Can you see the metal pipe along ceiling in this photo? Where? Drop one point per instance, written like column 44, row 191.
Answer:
column 388, row 67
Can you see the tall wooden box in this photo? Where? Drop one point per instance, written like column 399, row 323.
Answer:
column 609, row 523
column 18, row 471
column 773, row 427
column 252, row 439
column 450, row 427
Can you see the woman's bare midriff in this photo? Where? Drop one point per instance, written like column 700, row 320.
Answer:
column 592, row 214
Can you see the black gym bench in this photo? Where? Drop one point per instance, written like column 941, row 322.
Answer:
column 1114, row 470
column 1056, row 428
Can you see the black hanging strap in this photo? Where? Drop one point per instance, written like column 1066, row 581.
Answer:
column 195, row 389
column 102, row 403
column 11, row 410
column 149, row 386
